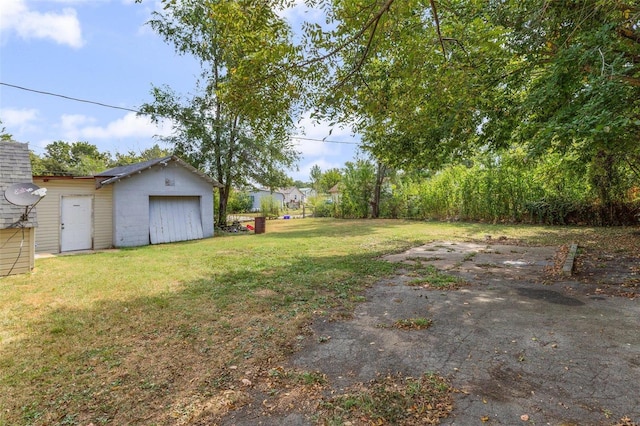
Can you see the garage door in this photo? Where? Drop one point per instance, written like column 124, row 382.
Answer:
column 174, row 219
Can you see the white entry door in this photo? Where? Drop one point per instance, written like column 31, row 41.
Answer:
column 174, row 219
column 76, row 223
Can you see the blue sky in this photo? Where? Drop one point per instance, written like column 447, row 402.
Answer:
column 102, row 51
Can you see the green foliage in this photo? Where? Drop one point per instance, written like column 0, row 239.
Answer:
column 315, row 175
column 37, row 168
column 71, row 159
column 329, row 179
column 418, row 323
column 509, row 187
column 270, row 207
column 132, row 157
column 557, row 78
column 235, row 126
column 391, row 400
column 239, row 202
column 273, row 179
column 84, row 159
column 4, row 136
column 300, row 184
column 322, row 206
column 356, row 189
column 430, row 277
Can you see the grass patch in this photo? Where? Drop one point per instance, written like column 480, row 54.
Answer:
column 150, row 335
column 419, row 323
column 428, row 276
column 393, row 400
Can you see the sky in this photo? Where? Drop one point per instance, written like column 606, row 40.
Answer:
column 102, row 51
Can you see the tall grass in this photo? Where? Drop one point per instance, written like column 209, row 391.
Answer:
column 509, row 188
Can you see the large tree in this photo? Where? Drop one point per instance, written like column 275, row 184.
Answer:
column 413, row 85
column 236, row 126
column 429, row 82
column 580, row 77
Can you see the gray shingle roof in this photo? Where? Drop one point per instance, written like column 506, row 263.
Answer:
column 15, row 167
column 117, row 173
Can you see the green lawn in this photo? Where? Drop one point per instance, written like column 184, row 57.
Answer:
column 165, row 334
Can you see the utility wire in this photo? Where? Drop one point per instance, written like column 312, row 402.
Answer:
column 42, row 92
column 71, row 98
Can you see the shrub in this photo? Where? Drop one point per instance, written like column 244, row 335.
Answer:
column 269, row 207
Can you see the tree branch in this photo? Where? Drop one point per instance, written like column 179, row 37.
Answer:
column 364, row 55
column 373, row 21
column 437, row 21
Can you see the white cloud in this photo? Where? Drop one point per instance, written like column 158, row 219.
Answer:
column 80, row 127
column 62, row 27
column 20, row 118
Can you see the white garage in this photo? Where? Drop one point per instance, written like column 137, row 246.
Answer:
column 159, row 201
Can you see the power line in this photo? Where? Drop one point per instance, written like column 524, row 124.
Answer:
column 324, row 140
column 74, row 99
column 71, row 98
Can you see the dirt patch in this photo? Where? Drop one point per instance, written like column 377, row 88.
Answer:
column 519, row 341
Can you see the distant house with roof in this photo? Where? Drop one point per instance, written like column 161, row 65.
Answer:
column 17, row 223
column 152, row 202
column 292, row 196
column 258, row 194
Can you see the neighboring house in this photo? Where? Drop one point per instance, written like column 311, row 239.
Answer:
column 16, row 234
column 258, row 194
column 334, row 191
column 157, row 201
column 292, row 196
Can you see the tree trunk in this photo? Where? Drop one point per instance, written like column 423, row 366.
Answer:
column 604, row 178
column 222, row 205
column 377, row 190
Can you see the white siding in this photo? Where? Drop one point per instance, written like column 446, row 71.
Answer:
column 49, row 209
column 131, row 201
column 293, row 196
column 258, row 195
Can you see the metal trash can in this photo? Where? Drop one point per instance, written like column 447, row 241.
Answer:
column 261, row 225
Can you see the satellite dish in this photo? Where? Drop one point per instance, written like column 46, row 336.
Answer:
column 24, row 194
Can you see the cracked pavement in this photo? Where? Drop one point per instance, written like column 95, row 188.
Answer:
column 510, row 344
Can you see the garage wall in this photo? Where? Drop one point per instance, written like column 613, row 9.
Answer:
column 131, row 201
column 47, row 237
column 16, row 254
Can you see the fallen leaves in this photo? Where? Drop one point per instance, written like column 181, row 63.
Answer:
column 626, row 421
column 392, row 399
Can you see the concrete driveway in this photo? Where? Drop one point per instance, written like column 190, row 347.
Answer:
column 516, row 343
